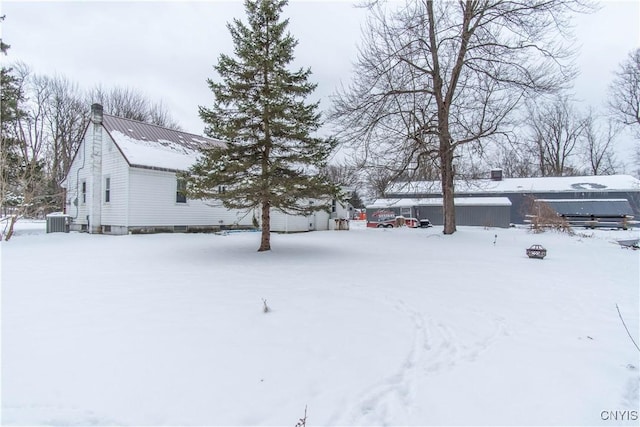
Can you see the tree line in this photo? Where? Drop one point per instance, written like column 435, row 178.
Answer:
column 43, row 119
column 446, row 90
column 552, row 138
column 442, row 91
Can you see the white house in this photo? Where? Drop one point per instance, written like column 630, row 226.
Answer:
column 124, row 178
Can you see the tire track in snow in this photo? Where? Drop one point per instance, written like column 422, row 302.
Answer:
column 435, row 348
column 499, row 329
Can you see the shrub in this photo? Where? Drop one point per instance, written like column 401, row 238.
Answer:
column 544, row 217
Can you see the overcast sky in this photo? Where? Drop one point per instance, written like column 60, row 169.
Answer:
column 167, row 49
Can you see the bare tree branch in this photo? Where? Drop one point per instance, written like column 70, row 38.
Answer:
column 432, row 77
column 624, row 92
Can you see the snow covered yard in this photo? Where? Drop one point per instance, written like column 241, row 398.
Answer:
column 367, row 327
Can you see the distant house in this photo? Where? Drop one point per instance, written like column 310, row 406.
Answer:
column 603, row 196
column 124, row 179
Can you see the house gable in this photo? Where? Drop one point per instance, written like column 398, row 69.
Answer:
column 149, row 146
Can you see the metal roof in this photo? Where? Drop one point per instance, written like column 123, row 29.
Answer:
column 595, row 207
column 152, row 146
column 150, row 132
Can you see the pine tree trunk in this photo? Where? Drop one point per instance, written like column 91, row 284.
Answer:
column 265, row 242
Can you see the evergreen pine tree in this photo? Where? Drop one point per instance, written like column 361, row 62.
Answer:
column 3, row 46
column 356, row 201
column 10, row 113
column 271, row 159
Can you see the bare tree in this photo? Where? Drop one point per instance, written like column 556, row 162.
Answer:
column 66, row 118
column 342, row 173
column 379, row 179
column 45, row 134
column 31, row 135
column 347, row 176
column 159, row 115
column 557, row 130
column 598, row 146
column 122, row 102
column 434, row 76
column 131, row 104
column 43, row 120
column 516, row 160
column 624, row 92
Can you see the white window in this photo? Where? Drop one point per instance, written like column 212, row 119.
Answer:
column 181, row 190
column 83, row 192
column 107, row 190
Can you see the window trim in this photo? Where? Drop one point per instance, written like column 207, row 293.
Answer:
column 83, row 191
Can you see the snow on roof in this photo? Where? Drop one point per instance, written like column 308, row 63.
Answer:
column 525, row 185
column 152, row 146
column 436, row 201
column 154, row 154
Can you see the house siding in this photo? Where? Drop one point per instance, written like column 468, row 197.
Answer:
column 114, row 167
column 79, row 172
column 152, row 202
column 320, row 221
column 283, row 223
column 316, row 221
